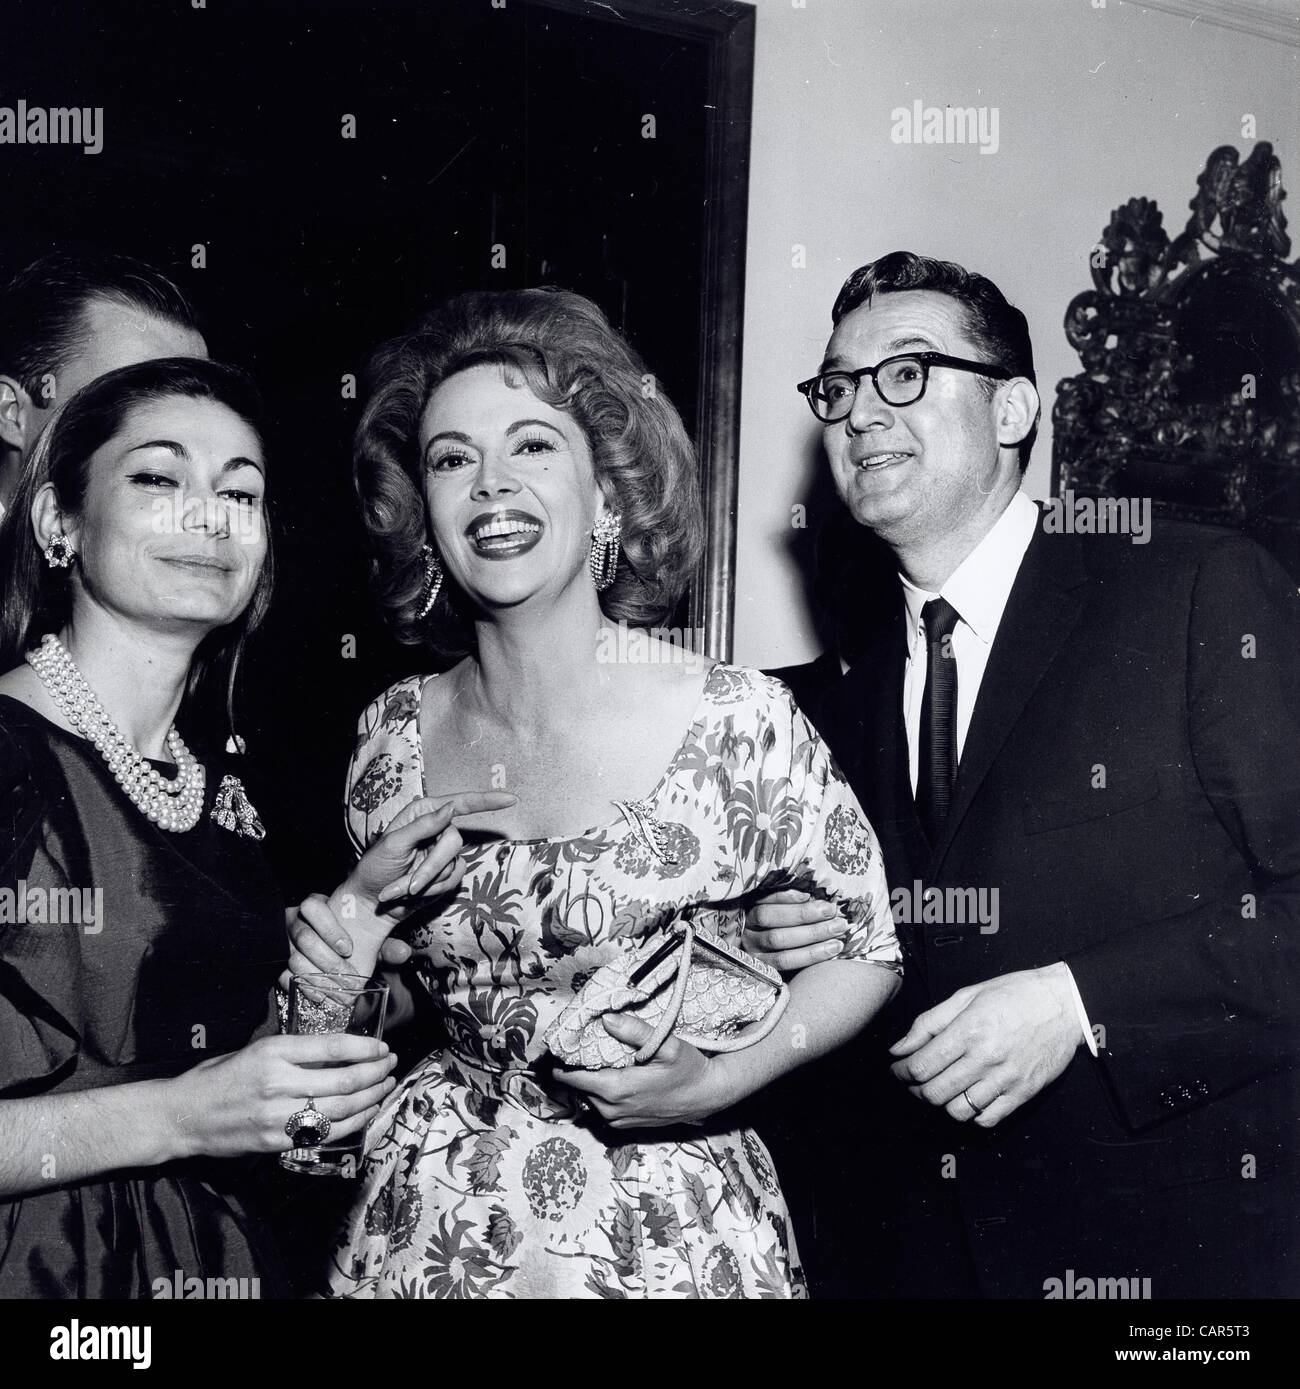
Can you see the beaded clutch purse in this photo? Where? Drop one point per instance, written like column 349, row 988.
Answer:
column 691, row 984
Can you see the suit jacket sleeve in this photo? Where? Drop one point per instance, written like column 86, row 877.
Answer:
column 1202, row 1003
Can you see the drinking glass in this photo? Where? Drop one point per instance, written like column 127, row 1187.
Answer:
column 333, row 1003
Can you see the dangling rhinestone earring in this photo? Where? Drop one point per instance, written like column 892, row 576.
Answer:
column 432, row 581
column 603, row 560
column 59, row 552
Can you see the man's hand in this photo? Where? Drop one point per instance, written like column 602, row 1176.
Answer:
column 986, row 1050
column 791, row 930
column 671, row 1088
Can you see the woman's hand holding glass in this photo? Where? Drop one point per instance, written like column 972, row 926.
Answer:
column 240, row 1103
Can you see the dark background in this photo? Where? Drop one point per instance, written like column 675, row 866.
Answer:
column 474, row 126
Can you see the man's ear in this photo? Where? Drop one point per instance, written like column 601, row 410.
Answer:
column 1017, row 411
column 15, row 414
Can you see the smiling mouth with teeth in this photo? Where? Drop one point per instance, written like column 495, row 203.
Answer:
column 496, row 529
column 880, row 460
column 504, row 534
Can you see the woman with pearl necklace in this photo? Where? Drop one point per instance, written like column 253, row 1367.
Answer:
column 140, row 1068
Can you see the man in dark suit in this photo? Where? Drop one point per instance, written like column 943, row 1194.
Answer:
column 1081, row 754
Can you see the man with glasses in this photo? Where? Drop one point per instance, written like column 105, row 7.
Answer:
column 1082, row 758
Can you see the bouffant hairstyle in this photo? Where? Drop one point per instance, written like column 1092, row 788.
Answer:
column 563, row 349
column 996, row 327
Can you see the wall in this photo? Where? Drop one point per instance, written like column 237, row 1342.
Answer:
column 1095, row 105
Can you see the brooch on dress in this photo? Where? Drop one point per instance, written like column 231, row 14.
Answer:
column 232, row 810
column 654, row 833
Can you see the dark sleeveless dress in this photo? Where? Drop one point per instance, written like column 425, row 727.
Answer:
column 177, row 966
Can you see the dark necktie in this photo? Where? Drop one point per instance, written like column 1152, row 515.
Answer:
column 938, row 740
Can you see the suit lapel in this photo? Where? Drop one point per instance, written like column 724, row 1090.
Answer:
column 1044, row 606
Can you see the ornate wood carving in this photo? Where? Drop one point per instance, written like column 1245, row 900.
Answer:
column 1190, row 392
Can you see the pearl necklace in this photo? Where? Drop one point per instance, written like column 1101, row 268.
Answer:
column 171, row 804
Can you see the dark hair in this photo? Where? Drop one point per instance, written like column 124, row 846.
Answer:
column 37, row 599
column 43, row 308
column 997, row 328
column 562, row 347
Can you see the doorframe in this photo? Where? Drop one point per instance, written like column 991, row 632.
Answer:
column 726, row 27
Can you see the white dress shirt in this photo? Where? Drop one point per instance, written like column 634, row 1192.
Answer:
column 978, row 589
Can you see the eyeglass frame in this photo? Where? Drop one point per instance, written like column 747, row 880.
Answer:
column 926, row 359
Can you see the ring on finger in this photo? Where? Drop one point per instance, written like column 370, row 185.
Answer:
column 307, row 1127
column 976, row 1109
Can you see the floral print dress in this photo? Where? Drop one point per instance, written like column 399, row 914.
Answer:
column 481, row 1178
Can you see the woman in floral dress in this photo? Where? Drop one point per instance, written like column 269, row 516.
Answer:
column 514, row 436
